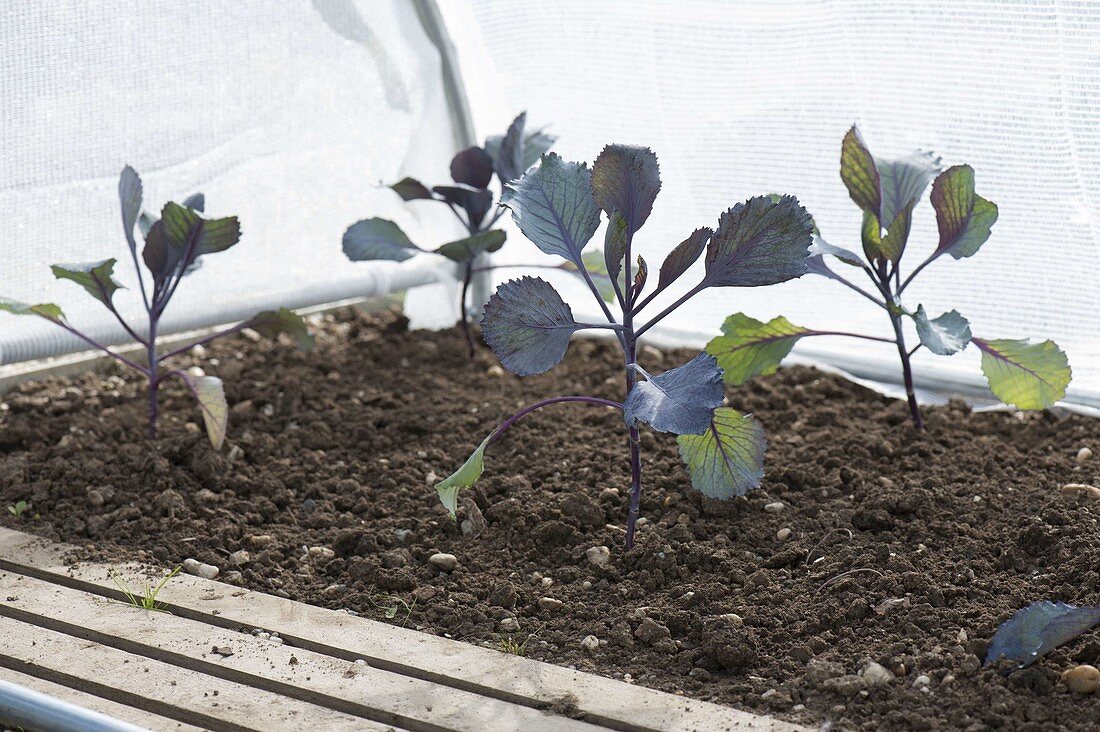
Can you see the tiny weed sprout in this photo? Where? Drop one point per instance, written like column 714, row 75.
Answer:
column 18, row 508
column 527, row 324
column 147, row 598
column 1027, row 375
column 174, row 244
column 472, row 170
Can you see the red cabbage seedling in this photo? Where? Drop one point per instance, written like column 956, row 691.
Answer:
column 1027, row 375
column 470, row 199
column 1038, row 629
column 527, row 324
column 173, row 245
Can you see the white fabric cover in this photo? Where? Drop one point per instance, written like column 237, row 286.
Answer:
column 744, row 98
column 288, row 115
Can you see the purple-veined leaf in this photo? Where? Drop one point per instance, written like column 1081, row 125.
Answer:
column 553, row 206
column 271, row 323
column 192, row 236
column 475, row 202
column 641, row 274
column 472, row 167
column 681, row 400
column 821, row 247
column 727, row 460
column 871, row 235
column 1027, row 375
column 614, row 245
column 683, row 256
column 859, row 173
column 129, row 196
column 210, row 394
column 410, row 189
column 903, row 182
column 944, row 335
column 626, row 179
column 158, row 256
column 196, row 201
column 466, row 250
column 376, row 238
column 964, row 218
column 97, row 278
column 1038, row 629
column 748, row 347
column 528, row 325
column 46, row 310
column 892, row 244
column 759, row 243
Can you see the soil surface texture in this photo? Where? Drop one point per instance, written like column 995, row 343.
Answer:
column 867, row 543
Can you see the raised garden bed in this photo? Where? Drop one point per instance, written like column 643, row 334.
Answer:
column 325, row 481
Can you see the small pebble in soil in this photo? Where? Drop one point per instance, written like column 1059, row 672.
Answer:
column 550, row 604
column 921, row 682
column 495, row 371
column 1090, row 490
column 509, row 625
column 198, row 351
column 199, row 569
column 1083, row 455
column 733, row 619
column 590, row 643
column 95, row 497
column 196, row 371
column 235, row 453
column 783, row 534
column 875, row 674
column 598, row 555
column 443, row 562
column 774, row 506
column 431, row 478
column 322, row 553
column 261, row 541
column 1083, row 679
column 240, row 558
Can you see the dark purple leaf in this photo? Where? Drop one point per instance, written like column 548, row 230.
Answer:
column 509, row 159
column 466, row 250
column 965, row 219
column 476, row 203
column 528, row 325
column 410, row 189
column 129, row 196
column 759, row 243
column 1040, row 628
column 681, row 401
column 95, row 277
column 271, row 323
column 614, row 245
column 626, row 179
column 472, row 167
column 376, row 238
column 554, row 207
column 159, row 258
column 683, row 256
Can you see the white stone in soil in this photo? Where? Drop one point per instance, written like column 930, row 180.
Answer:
column 443, row 562
column 875, row 674
column 199, row 569
column 783, row 534
column 551, row 604
column 590, row 643
column 774, row 506
column 1083, row 679
column 1083, row 455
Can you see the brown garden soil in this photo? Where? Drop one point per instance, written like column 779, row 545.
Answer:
column 942, row 535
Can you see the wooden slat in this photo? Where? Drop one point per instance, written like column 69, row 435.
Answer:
column 312, row 677
column 160, row 688
column 503, row 676
column 97, row 704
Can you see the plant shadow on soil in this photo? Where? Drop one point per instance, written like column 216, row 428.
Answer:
column 337, row 449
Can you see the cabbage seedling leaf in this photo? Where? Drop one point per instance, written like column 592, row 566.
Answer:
column 472, row 167
column 626, row 179
column 614, row 246
column 193, row 236
column 465, row 477
column 375, row 238
column 681, row 400
column 466, row 250
column 1027, row 375
column 859, row 173
column 129, row 196
column 903, row 182
column 474, row 201
column 683, row 256
column 759, row 243
column 964, row 218
column 554, row 207
column 750, row 347
column 945, row 335
column 43, row 310
column 410, row 189
column 271, row 323
column 727, row 460
column 641, row 274
column 1038, row 629
column 536, row 144
column 95, row 277
column 215, row 411
column 528, row 325
column 196, row 201
column 821, row 247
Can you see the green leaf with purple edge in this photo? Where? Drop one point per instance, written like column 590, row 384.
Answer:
column 528, row 325
column 944, row 335
column 759, row 243
column 859, row 173
column 97, row 278
column 626, row 179
column 1038, row 629
column 1024, row 374
column 685, row 254
column 554, row 207
column 727, row 460
column 45, row 310
column 210, row 394
column 892, row 244
column 681, row 400
column 192, row 236
column 129, row 196
column 271, row 323
column 475, row 202
column 374, row 239
column 964, row 218
column 410, row 189
column 466, row 250
column 748, row 347
column 472, row 167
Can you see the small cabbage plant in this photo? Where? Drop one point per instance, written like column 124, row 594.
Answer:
column 527, row 324
column 173, row 245
column 1038, row 629
column 1027, row 375
column 507, row 156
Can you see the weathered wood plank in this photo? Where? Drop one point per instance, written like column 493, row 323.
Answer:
column 111, row 708
column 611, row 703
column 345, row 686
column 170, row 691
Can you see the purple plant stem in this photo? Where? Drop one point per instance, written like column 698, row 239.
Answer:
column 465, row 317
column 503, row 426
column 154, row 377
column 907, row 373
